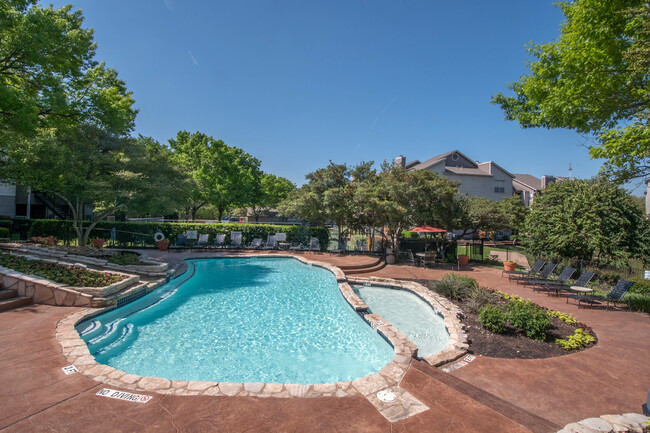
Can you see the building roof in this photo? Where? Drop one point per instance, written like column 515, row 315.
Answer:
column 529, row 180
column 437, row 159
column 497, row 166
column 467, row 171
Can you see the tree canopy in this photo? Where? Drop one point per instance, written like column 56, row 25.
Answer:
column 49, row 78
column 273, row 189
column 594, row 79
column 588, row 220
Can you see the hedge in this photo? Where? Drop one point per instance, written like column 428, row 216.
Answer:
column 4, row 232
column 142, row 233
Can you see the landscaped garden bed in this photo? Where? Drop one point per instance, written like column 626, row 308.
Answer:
column 73, row 276
column 506, row 326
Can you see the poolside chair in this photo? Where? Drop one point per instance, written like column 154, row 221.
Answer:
column 256, row 244
column 235, row 240
column 429, row 259
column 615, row 296
column 534, row 270
column 281, row 240
column 415, row 260
column 203, row 240
column 541, row 284
column 314, row 244
column 219, row 240
column 271, row 243
column 181, row 242
column 580, row 283
column 542, row 275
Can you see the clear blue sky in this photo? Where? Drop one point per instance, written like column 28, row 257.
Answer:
column 298, row 83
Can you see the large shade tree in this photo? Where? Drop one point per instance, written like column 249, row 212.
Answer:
column 273, row 189
column 588, row 220
column 594, row 79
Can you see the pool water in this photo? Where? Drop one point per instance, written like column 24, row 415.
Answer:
column 408, row 313
column 274, row 320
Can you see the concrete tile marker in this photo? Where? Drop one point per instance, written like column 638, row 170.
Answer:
column 123, row 395
column 70, row 369
column 466, row 360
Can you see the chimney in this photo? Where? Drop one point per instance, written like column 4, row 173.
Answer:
column 400, row 161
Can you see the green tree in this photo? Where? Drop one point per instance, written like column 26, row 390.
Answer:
column 49, row 78
column 594, row 79
column 483, row 214
column 516, row 212
column 222, row 175
column 273, row 189
column 589, row 220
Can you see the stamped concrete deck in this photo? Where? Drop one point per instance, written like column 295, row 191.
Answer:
column 522, row 395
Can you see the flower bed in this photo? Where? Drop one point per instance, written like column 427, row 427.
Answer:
column 70, row 275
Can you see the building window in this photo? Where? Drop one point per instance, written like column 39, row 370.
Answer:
column 499, row 186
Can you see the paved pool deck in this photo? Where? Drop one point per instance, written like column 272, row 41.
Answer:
column 484, row 396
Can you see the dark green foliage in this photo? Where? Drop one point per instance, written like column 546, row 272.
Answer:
column 124, row 258
column 641, row 286
column 589, row 220
column 4, row 232
column 455, row 286
column 479, row 298
column 530, row 318
column 493, row 319
column 63, row 231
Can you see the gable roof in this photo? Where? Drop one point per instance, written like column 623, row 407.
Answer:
column 529, row 180
column 497, row 166
column 439, row 158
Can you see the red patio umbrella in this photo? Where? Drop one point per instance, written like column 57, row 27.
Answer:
column 427, row 229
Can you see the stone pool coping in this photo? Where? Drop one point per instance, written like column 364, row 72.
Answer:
column 77, row 353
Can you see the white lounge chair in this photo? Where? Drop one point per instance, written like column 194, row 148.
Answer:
column 235, row 240
column 271, row 242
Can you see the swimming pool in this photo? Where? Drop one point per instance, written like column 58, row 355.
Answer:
column 408, row 313
column 256, row 319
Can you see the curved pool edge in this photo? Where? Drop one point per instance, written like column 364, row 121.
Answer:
column 77, row 353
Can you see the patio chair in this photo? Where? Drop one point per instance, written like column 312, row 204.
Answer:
column 203, row 240
column 615, row 296
column 561, row 279
column 543, row 274
column 580, row 283
column 314, row 244
column 534, row 270
column 271, row 243
column 429, row 259
column 281, row 239
column 181, row 243
column 235, row 240
column 256, row 244
column 219, row 240
column 415, row 260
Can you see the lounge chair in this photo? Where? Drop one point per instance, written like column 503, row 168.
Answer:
column 578, row 285
column 314, row 244
column 429, row 259
column 534, row 270
column 235, row 240
column 615, row 296
column 256, row 244
column 281, row 239
column 181, row 243
column 219, row 240
column 203, row 240
column 271, row 243
column 542, row 275
column 415, row 260
column 561, row 279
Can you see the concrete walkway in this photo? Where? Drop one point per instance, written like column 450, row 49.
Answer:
column 522, row 395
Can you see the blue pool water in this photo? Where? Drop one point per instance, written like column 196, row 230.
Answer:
column 273, row 320
column 408, row 313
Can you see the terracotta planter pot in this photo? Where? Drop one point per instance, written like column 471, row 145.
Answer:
column 509, row 266
column 98, row 243
column 163, row 245
column 463, row 260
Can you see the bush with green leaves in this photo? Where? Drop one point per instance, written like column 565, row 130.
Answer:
column 530, row 318
column 478, row 298
column 641, row 286
column 565, row 317
column 579, row 339
column 493, row 319
column 455, row 286
column 4, row 232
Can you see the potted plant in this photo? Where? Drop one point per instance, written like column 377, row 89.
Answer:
column 98, row 243
column 163, row 245
column 509, row 265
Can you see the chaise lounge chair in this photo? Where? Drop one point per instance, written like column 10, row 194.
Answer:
column 561, row 279
column 314, row 244
column 203, row 240
column 534, row 270
column 542, row 275
column 579, row 285
column 271, row 243
column 256, row 244
column 281, row 240
column 235, row 240
column 219, row 240
column 615, row 296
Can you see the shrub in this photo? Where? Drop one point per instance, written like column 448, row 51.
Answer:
column 530, row 318
column 579, row 339
column 478, row 298
column 640, row 302
column 50, row 240
column 565, row 317
column 641, row 286
column 4, row 232
column 455, row 286
column 493, row 319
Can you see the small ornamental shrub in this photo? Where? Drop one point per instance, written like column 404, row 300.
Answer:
column 530, row 318
column 70, row 275
column 49, row 240
column 125, row 259
column 641, row 286
column 478, row 298
column 455, row 286
column 579, row 339
column 565, row 317
column 4, row 232
column 493, row 319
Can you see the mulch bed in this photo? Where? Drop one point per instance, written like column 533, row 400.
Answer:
column 514, row 344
